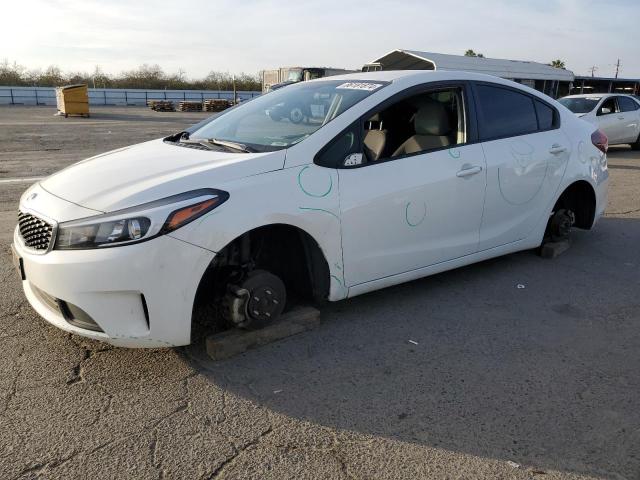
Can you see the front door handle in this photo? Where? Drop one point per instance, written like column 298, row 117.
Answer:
column 469, row 170
column 557, row 148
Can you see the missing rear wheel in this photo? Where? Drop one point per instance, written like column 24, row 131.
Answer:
column 560, row 224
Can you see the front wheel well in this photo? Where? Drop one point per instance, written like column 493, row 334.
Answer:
column 580, row 198
column 284, row 250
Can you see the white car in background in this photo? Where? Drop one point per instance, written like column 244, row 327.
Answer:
column 618, row 116
column 391, row 176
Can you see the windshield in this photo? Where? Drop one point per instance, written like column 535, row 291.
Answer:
column 580, row 105
column 286, row 116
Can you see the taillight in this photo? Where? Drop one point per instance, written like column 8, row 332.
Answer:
column 600, row 141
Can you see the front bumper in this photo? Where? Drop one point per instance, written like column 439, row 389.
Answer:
column 109, row 285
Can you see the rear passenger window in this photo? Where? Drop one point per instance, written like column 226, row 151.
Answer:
column 505, row 113
column 546, row 116
column 627, row 105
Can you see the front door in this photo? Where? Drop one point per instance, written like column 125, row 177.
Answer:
column 418, row 199
column 409, row 213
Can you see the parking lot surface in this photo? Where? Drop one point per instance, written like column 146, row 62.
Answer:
column 460, row 375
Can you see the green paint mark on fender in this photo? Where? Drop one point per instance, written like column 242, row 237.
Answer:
column 337, row 280
column 406, row 215
column 316, row 195
column 320, row 210
column 454, row 152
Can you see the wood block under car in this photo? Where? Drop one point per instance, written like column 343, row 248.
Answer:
column 554, row 249
column 235, row 341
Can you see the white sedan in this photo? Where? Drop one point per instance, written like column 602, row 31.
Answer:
column 618, row 116
column 388, row 177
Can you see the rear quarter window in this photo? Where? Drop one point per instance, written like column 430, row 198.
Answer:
column 547, row 117
column 505, row 113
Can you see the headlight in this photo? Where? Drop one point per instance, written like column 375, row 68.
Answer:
column 137, row 224
column 102, row 234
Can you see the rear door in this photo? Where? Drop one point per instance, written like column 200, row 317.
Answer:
column 630, row 114
column 526, row 153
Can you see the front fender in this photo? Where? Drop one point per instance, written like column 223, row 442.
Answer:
column 305, row 197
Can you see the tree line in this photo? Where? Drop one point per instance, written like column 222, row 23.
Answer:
column 151, row 77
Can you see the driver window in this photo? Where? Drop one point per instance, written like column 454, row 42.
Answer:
column 423, row 122
column 607, row 107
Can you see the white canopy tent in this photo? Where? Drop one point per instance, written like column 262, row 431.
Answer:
column 537, row 75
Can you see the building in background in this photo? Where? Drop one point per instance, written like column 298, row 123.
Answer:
column 630, row 86
column 283, row 76
column 555, row 82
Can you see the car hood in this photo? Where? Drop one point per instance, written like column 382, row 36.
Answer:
column 152, row 170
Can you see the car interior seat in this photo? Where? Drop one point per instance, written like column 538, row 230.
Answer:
column 375, row 138
column 432, row 129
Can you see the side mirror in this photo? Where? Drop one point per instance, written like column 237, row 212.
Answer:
column 604, row 111
column 353, row 160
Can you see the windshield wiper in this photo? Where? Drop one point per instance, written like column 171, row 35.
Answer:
column 234, row 145
column 195, row 141
column 184, row 137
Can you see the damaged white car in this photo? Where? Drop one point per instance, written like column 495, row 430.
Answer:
column 322, row 190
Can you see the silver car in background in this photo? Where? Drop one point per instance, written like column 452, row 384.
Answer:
column 618, row 116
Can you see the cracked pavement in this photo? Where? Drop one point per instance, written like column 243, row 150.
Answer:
column 501, row 382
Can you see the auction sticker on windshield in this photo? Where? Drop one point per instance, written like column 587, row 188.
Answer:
column 360, row 86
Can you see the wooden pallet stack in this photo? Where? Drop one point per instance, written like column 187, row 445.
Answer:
column 216, row 104
column 189, row 106
column 161, row 105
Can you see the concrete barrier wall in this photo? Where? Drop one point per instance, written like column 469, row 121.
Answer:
column 112, row 96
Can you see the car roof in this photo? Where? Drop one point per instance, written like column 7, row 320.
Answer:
column 598, row 95
column 426, row 75
column 589, row 95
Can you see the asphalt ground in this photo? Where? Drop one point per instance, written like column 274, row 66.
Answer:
column 459, row 375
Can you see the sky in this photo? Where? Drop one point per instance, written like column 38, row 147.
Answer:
column 199, row 36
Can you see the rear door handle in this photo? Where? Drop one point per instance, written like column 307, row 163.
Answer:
column 557, row 148
column 470, row 170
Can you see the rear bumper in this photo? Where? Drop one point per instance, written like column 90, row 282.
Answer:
column 602, row 193
column 110, row 284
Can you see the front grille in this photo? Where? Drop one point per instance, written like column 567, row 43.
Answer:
column 35, row 232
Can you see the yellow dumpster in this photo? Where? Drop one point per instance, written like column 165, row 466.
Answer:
column 73, row 100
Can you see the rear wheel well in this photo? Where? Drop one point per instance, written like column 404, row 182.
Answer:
column 580, row 198
column 284, row 250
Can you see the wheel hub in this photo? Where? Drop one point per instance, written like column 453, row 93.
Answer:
column 565, row 226
column 263, row 303
column 258, row 300
column 561, row 224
